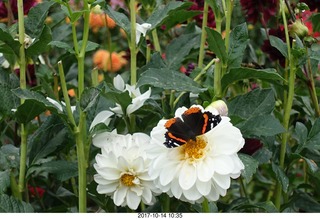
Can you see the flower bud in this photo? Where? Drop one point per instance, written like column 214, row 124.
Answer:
column 220, row 106
column 298, row 28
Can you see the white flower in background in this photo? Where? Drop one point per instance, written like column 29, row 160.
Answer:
column 138, row 99
column 141, row 29
column 4, row 63
column 194, row 155
column 220, row 106
column 102, row 117
column 122, row 169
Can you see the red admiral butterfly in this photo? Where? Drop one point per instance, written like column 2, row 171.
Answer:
column 193, row 123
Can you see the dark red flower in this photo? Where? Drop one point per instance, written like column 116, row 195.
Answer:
column 259, row 10
column 30, row 74
column 198, row 5
column 274, row 53
column 34, row 190
column 27, row 4
column 251, row 145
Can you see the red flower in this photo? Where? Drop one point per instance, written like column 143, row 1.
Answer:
column 34, row 190
column 27, row 4
column 251, row 145
column 259, row 10
column 30, row 75
column 198, row 5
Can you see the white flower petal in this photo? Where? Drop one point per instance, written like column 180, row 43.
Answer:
column 223, row 164
column 213, row 194
column 147, row 196
column 168, row 174
column 55, row 103
column 120, row 195
column 117, row 109
column 106, row 189
column 176, row 189
column 133, row 200
column 138, row 102
column 222, row 180
column 187, row 176
column 102, row 117
column 108, row 173
column 192, row 194
column 204, row 188
column 204, row 169
column 141, row 29
column 118, row 83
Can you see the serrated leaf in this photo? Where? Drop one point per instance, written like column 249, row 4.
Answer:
column 163, row 12
column 4, row 181
column 264, row 125
column 216, row 44
column 302, row 202
column 90, row 46
column 52, row 135
column 9, row 157
column 313, row 140
column 34, row 22
column 179, row 17
column 9, row 42
column 120, row 19
column 236, row 74
column 9, row 204
column 238, row 42
column 300, row 133
column 263, row 155
column 277, row 43
column 40, row 45
column 281, row 177
column 63, row 170
column 168, row 79
column 62, row 45
column 255, row 103
column 8, row 100
column 250, row 166
column 179, row 48
column 89, row 98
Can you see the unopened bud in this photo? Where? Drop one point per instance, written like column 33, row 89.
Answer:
column 220, row 106
column 299, row 29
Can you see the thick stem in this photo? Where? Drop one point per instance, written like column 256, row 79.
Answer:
column 203, row 34
column 156, row 40
column 132, row 43
column 205, row 206
column 14, row 187
column 228, row 22
column 23, row 158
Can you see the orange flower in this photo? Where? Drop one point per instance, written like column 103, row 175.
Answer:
column 104, row 62
column 99, row 19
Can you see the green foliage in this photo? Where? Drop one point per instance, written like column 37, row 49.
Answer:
column 9, row 204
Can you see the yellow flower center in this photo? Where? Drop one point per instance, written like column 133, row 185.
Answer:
column 194, row 150
column 127, row 179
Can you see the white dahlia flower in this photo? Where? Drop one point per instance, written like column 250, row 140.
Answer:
column 122, row 169
column 194, row 155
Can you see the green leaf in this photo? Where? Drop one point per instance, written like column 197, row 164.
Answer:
column 8, row 42
column 279, row 45
column 90, row 46
column 281, row 177
column 40, row 45
column 9, row 204
column 120, row 18
column 263, row 155
column 179, row 48
column 34, row 22
column 62, row 45
column 216, row 6
column 267, row 206
column 250, row 166
column 300, row 133
column 168, row 79
column 313, row 140
column 163, row 12
column 8, row 100
column 311, row 164
column 216, row 44
column 35, row 103
column 302, row 202
column 89, row 98
column 264, row 125
column 255, row 103
column 122, row 98
column 9, row 157
column 51, row 136
column 236, row 74
column 238, row 42
column 4, row 181
column 179, row 17
column 316, row 22
column 61, row 169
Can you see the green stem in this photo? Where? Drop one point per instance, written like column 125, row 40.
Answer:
column 14, row 187
column 23, row 85
column 156, row 40
column 132, row 43
column 94, row 77
column 203, row 34
column 148, row 52
column 288, row 106
column 228, row 22
column 166, row 203
column 65, row 94
column 205, row 206
column 312, row 89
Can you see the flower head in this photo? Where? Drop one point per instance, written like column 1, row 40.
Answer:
column 27, row 5
column 104, row 62
column 138, row 99
column 259, row 10
column 195, row 153
column 99, row 19
column 141, row 29
column 122, row 169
